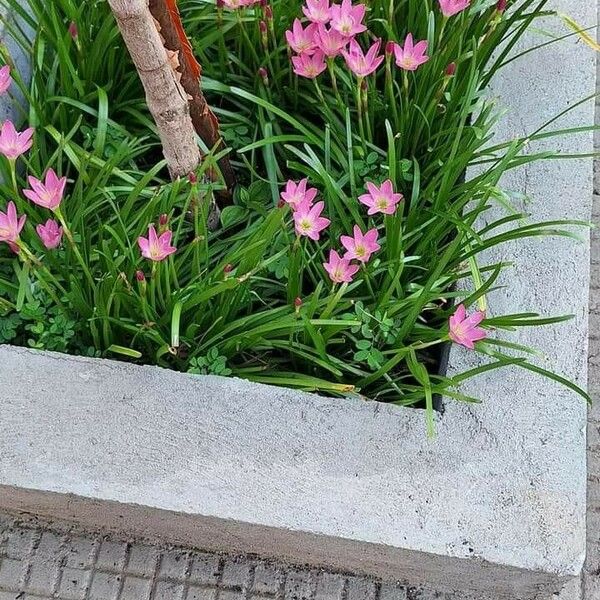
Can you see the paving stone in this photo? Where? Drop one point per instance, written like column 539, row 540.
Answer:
column 19, row 543
column 142, row 560
column 49, row 546
column 174, row 565
column 111, row 556
column 230, row 595
column 11, row 572
column 392, row 592
column 201, row 593
column 8, row 596
column 136, row 588
column 361, row 589
column 205, row 569
column 235, row 573
column 73, row 584
column 79, row 552
column 43, row 577
column 105, row 586
column 267, row 579
column 169, row 590
column 330, row 586
column 299, row 585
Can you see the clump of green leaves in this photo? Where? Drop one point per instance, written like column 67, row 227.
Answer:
column 249, row 298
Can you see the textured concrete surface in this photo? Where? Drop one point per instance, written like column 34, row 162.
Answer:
column 497, row 501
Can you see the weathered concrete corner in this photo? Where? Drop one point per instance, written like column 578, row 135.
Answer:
column 495, row 502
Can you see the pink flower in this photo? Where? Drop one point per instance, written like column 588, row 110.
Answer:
column 48, row 194
column 73, row 31
column 5, row 79
column 154, row 247
column 11, row 225
column 330, row 41
column 360, row 64
column 301, row 40
column 50, row 234
column 13, row 143
column 235, row 4
column 296, row 194
column 360, row 246
column 451, row 7
column 309, row 222
column 347, row 19
column 310, row 66
column 464, row 330
column 317, row 11
column 340, row 269
column 412, row 56
column 381, row 199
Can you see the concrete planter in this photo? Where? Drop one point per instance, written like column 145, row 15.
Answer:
column 495, row 503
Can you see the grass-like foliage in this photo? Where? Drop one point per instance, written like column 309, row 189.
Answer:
column 256, row 297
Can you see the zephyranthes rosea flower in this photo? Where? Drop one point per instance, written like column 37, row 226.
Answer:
column 309, row 222
column 301, row 39
column 317, row 11
column 347, row 19
column 359, row 63
column 154, row 247
column 411, row 56
column 340, row 270
column 330, row 41
column 11, row 224
column 381, row 199
column 296, row 194
column 360, row 246
column 464, row 330
column 48, row 194
column 235, row 4
column 50, row 233
column 13, row 143
column 5, row 79
column 310, row 66
column 452, row 7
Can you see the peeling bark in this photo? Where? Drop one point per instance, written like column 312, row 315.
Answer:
column 166, row 97
column 206, row 124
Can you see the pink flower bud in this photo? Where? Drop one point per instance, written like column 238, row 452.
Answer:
column 139, row 275
column 73, row 31
column 227, row 268
column 220, row 4
column 389, row 48
column 264, row 75
column 451, row 69
column 163, row 219
column 268, row 13
column 298, row 302
column 192, row 178
column 501, row 6
column 264, row 37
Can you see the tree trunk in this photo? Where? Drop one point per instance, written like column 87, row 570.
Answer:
column 166, row 98
column 206, row 124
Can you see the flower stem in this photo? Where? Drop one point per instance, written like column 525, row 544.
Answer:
column 361, row 125
column 13, row 175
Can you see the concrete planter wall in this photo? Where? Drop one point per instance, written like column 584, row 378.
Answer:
column 496, row 502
